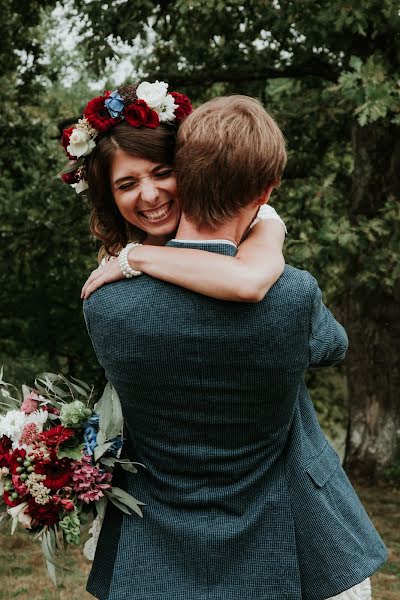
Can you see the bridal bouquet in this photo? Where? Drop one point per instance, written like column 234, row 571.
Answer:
column 57, row 454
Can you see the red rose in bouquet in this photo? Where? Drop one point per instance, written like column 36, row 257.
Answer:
column 45, row 514
column 138, row 114
column 184, row 105
column 97, row 114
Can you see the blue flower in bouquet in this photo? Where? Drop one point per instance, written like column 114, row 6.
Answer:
column 90, row 434
column 90, row 437
column 115, row 104
column 116, row 447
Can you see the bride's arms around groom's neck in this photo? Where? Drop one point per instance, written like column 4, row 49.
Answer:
column 246, row 277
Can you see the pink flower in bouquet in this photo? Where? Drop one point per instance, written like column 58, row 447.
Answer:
column 29, row 435
column 89, row 481
column 30, row 403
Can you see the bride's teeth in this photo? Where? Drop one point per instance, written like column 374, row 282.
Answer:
column 156, row 214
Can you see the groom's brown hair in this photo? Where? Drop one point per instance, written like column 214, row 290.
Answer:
column 229, row 150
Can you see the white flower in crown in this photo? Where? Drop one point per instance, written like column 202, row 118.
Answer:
column 153, row 94
column 80, row 142
column 167, row 111
column 81, row 186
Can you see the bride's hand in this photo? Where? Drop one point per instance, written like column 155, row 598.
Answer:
column 110, row 271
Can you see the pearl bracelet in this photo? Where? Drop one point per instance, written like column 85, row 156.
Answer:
column 126, row 269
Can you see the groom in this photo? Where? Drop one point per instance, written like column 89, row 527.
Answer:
column 244, row 497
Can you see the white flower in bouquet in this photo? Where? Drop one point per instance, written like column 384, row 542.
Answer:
column 12, row 424
column 152, row 93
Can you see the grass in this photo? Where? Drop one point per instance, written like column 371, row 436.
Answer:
column 23, row 575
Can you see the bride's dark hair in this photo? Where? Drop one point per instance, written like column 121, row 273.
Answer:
column 106, row 222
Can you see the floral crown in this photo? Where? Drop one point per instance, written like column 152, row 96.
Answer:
column 142, row 105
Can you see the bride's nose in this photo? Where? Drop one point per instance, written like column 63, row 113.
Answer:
column 149, row 190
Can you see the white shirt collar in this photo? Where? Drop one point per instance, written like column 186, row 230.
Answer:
column 213, row 241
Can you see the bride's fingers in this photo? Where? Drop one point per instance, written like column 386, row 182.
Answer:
column 94, row 285
column 105, row 275
column 92, row 277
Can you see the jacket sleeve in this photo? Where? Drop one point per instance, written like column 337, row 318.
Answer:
column 328, row 340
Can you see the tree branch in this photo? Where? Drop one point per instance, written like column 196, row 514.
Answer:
column 310, row 69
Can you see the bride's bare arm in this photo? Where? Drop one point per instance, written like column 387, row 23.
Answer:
column 247, row 277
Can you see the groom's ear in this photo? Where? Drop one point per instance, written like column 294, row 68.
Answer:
column 264, row 198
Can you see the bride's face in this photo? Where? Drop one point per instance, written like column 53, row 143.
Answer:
column 145, row 194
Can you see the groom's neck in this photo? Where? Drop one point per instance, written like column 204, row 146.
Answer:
column 233, row 230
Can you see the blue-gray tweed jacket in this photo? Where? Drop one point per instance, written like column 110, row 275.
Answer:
column 245, row 498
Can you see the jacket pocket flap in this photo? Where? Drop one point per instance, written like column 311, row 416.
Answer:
column 323, row 466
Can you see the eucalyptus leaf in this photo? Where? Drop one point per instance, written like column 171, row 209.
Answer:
column 82, row 383
column 14, row 524
column 49, row 557
column 100, row 438
column 25, row 390
column 101, row 507
column 74, row 388
column 127, row 466
column 100, row 450
column 110, row 413
column 111, row 461
column 118, row 504
column 108, row 461
column 123, row 496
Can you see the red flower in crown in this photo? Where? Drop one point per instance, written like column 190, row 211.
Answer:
column 138, row 114
column 184, row 106
column 70, row 178
column 97, row 114
column 66, row 134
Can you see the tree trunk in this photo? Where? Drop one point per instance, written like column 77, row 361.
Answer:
column 373, row 318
